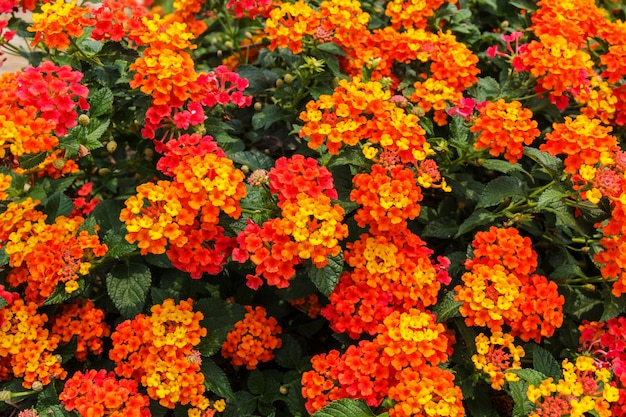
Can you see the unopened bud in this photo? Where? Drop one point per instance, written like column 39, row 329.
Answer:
column 83, row 120
column 504, row 24
column 258, row 106
column 104, row 172
column 279, row 82
column 148, row 153
column 5, row 395
column 228, row 45
column 58, row 163
column 111, row 146
column 37, row 386
column 590, row 287
column 289, row 78
column 245, row 169
column 284, row 389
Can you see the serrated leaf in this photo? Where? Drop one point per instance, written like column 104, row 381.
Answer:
column 544, row 362
column 128, row 286
column 92, row 140
column 551, row 163
column 47, row 398
column 531, row 376
column 345, row 408
column 107, row 215
column 58, row 204
column 332, row 47
column 504, row 166
column 59, row 295
column 486, row 88
column 447, row 308
column 289, row 355
column 326, row 278
column 522, row 406
column 219, row 318
column 500, row 189
column 578, row 304
column 243, row 405
column 478, row 218
column 564, row 217
column 215, row 380
column 117, row 245
column 31, row 160
column 613, row 306
column 549, row 197
column 100, row 101
column 269, row 115
column 4, row 257
column 253, row 160
column 442, row 228
column 54, row 411
column 459, row 131
column 256, row 382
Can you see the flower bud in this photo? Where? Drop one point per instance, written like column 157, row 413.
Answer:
column 58, row 163
column 279, row 82
column 258, row 106
column 104, row 171
column 83, row 120
column 284, row 389
column 37, row 386
column 289, row 78
column 111, row 146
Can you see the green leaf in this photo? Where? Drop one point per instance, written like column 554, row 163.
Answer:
column 478, row 218
column 107, row 215
column 4, row 257
column 117, row 245
column 486, row 88
column 100, row 101
column 564, row 216
column 269, row 115
column 92, row 140
column 31, row 160
column 332, row 47
column 327, row 277
column 215, row 380
column 459, row 131
column 578, row 304
column 522, row 406
column 59, row 295
column 47, row 398
column 551, row 163
column 256, row 382
column 532, row 376
column 345, row 408
column 289, row 355
column 504, row 166
column 128, row 286
column 253, row 160
column 243, row 405
column 499, row 189
column 441, row 228
column 58, row 204
column 219, row 318
column 55, row 411
column 544, row 362
column 447, row 308
column 613, row 306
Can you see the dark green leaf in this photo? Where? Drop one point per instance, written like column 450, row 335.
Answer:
column 59, row 295
column 478, row 218
column 551, row 163
column 117, row 245
column 544, row 362
column 289, row 355
column 613, row 306
column 500, row 189
column 253, row 160
column 243, row 405
column 549, row 197
column 219, row 318
column 30, row 160
column 256, row 382
column 258, row 79
column 4, row 257
column 100, row 101
column 92, row 140
column 345, row 408
column 504, row 166
column 128, row 286
column 327, row 277
column 531, row 376
column 269, row 115
column 107, row 215
column 459, row 131
column 47, row 398
column 332, row 48
column 486, row 88
column 578, row 304
column 447, row 308
column 58, row 204
column 215, row 380
column 55, row 411
column 442, row 228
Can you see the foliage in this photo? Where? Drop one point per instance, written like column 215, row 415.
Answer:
column 328, row 208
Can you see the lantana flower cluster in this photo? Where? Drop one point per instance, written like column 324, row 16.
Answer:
column 501, row 291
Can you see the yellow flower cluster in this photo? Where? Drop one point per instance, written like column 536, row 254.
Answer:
column 492, row 359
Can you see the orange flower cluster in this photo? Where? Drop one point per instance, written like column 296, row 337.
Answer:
column 612, row 258
column 310, row 226
column 494, row 361
column 26, row 346
column 42, row 255
column 86, row 322
column 389, row 197
column 289, row 23
column 391, row 272
column 309, row 305
column 181, row 217
column 158, row 351
column 5, row 184
column 100, row 393
column 360, row 110
column 58, row 21
column 584, row 388
column 412, row 13
column 584, row 142
column 499, row 289
column 399, row 363
column 504, row 128
column 253, row 339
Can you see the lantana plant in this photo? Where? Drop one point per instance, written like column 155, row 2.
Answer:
column 282, row 208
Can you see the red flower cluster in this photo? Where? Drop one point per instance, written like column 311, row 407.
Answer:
column 310, row 226
column 253, row 339
column 100, row 393
column 499, row 289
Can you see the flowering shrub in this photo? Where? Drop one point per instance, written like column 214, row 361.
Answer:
column 332, row 208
